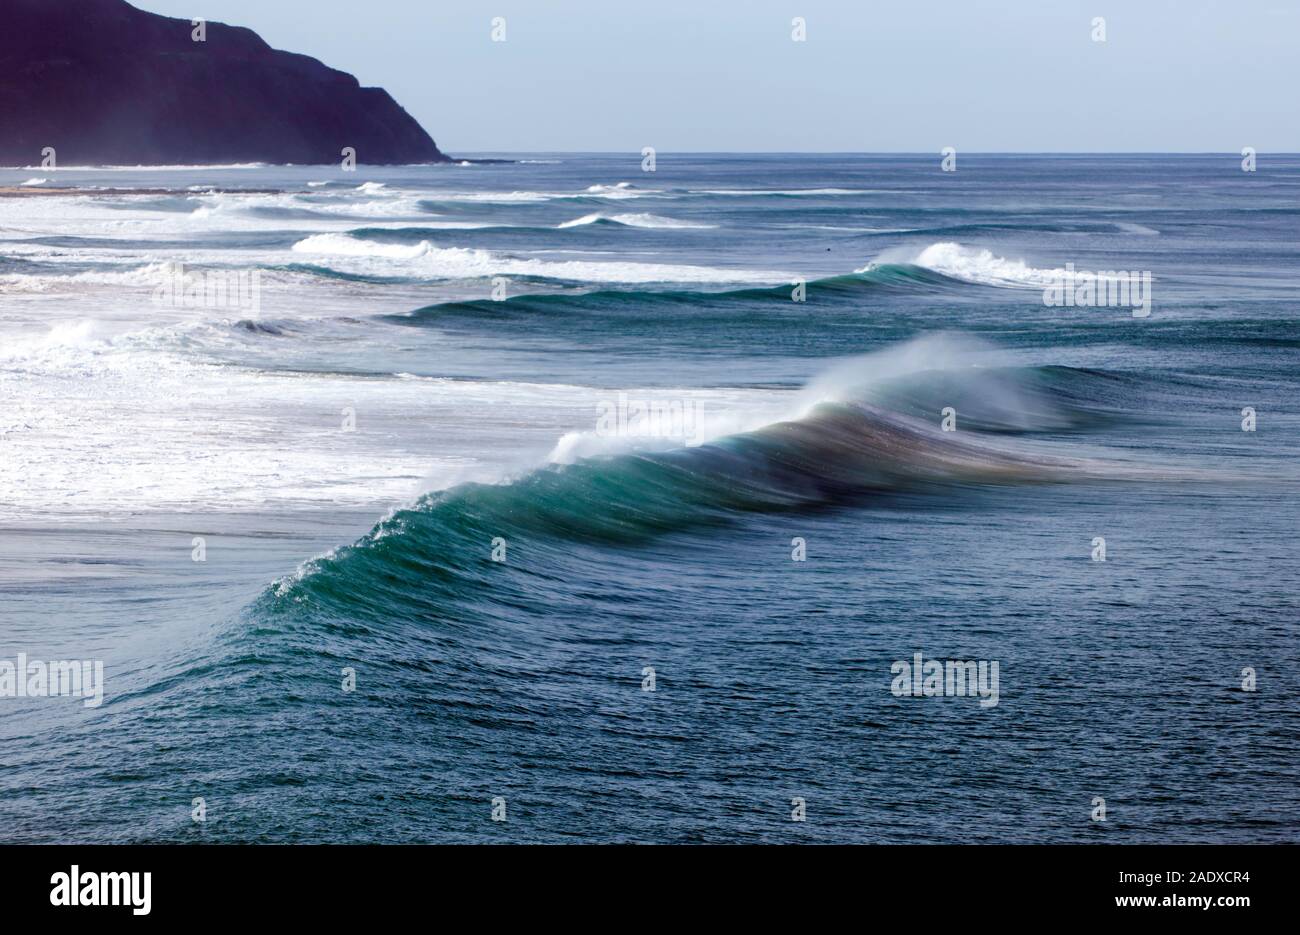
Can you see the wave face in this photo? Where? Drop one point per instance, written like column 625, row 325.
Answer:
column 347, row 254
column 972, row 265
column 648, row 221
column 849, row 434
column 434, row 558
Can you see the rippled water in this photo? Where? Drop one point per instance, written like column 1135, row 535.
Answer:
column 416, row 456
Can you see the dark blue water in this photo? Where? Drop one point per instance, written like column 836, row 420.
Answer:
column 524, row 679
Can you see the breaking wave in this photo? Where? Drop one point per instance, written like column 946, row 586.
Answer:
column 844, row 437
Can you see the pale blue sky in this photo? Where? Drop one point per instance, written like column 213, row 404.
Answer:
column 724, row 75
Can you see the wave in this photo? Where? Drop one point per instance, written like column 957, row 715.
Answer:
column 324, row 204
column 597, row 219
column 938, row 267
column 969, row 264
column 787, row 192
column 1057, row 227
column 649, row 221
column 843, row 291
column 169, row 168
column 149, row 275
column 837, row 445
column 75, row 334
column 354, row 256
column 1141, row 230
column 619, row 192
column 346, row 245
column 620, row 189
column 379, row 254
column 515, row 197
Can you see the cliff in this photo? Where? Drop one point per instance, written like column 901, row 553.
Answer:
column 107, row 84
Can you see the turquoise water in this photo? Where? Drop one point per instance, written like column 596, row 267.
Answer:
column 478, row 325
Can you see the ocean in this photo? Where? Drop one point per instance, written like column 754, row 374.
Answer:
column 556, row 500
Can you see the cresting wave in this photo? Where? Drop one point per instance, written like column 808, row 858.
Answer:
column 648, row 221
column 837, row 290
column 617, row 192
column 838, row 444
column 352, row 255
column 939, row 266
column 968, row 264
column 166, row 168
column 785, row 192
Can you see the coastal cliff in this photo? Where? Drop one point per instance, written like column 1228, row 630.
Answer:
column 104, row 83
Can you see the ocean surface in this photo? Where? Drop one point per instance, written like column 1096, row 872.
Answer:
column 533, row 491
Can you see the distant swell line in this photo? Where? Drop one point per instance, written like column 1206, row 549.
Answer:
column 889, row 276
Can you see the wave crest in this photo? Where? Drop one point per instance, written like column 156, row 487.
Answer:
column 649, row 221
column 347, row 254
column 839, row 441
column 968, row 264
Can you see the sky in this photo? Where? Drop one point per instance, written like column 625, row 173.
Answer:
column 871, row 76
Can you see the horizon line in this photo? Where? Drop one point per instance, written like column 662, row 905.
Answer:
column 880, row 152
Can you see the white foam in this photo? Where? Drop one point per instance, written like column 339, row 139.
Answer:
column 720, row 413
column 970, row 264
column 177, row 168
column 150, row 275
column 363, row 257
column 383, row 203
column 616, row 191
column 179, row 216
column 621, row 191
column 1141, row 229
column 649, row 221
column 344, row 245
column 521, row 197
column 786, row 191
column 204, row 437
